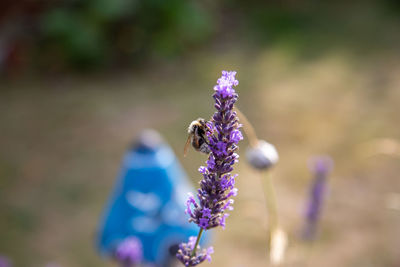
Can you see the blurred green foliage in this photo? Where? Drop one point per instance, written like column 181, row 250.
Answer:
column 107, row 33
column 96, row 32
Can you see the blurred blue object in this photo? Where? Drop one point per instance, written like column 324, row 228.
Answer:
column 148, row 202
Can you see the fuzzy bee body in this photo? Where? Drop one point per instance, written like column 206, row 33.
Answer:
column 197, row 136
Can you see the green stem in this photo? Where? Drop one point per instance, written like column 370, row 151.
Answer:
column 197, row 242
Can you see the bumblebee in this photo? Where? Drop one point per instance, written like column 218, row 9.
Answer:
column 197, row 136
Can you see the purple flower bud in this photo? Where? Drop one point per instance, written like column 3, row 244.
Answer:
column 129, row 252
column 236, row 136
column 210, row 250
column 202, row 170
column 320, row 166
column 203, row 222
column 225, row 83
column 206, row 212
column 222, row 220
column 185, row 253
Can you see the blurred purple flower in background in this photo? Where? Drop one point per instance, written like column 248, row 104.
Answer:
column 5, row 262
column 129, row 252
column 320, row 167
column 217, row 185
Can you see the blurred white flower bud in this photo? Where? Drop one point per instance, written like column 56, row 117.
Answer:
column 263, row 156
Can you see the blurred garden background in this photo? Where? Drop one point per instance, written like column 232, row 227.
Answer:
column 80, row 79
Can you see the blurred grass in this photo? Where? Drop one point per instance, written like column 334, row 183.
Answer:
column 62, row 139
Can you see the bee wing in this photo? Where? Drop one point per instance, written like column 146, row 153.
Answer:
column 187, row 145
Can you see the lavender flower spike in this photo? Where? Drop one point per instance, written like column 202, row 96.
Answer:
column 223, row 134
column 320, row 166
column 129, row 252
column 217, row 185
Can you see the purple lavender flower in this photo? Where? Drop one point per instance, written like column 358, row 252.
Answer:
column 223, row 133
column 185, row 253
column 217, row 185
column 129, row 252
column 320, row 166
